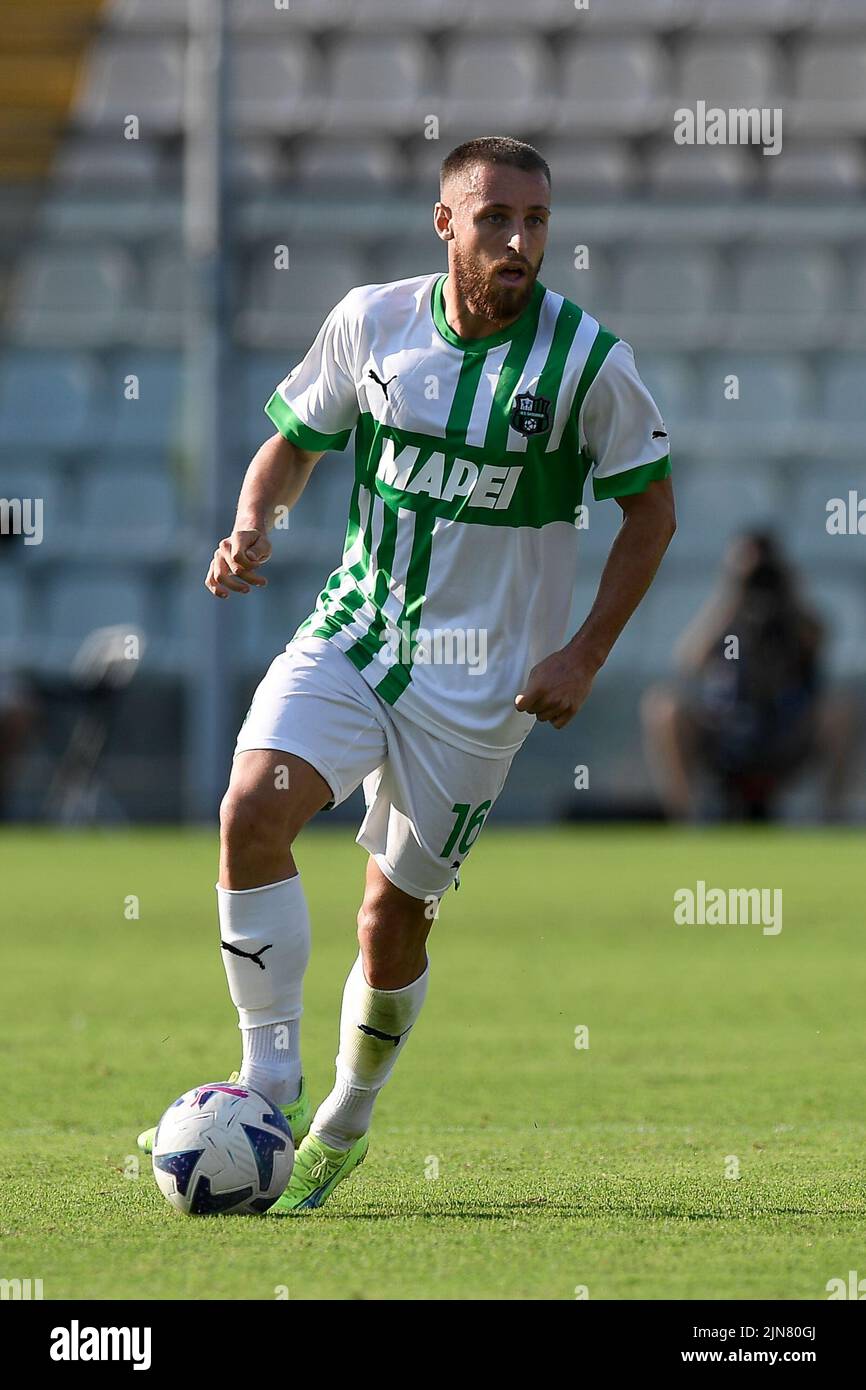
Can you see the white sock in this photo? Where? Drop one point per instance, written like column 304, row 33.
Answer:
column 272, row 1060
column 265, row 938
column 366, row 1058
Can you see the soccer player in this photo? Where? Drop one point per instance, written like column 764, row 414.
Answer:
column 479, row 403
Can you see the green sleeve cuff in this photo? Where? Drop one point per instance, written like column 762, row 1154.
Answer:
column 293, row 429
column 631, row 481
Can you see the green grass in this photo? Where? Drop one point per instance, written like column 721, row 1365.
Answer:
column 557, row 1167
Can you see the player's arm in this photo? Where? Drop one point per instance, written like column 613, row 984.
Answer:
column 275, row 479
column 628, row 441
column 314, row 411
column 558, row 686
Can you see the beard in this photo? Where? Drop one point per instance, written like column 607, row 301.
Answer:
column 478, row 289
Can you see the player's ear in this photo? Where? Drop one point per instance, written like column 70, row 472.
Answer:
column 442, row 222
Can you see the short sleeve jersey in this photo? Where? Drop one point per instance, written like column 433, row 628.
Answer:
column 471, row 457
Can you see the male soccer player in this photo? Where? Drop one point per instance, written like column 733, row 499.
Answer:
column 479, row 402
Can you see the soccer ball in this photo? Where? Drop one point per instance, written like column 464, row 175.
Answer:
column 223, row 1148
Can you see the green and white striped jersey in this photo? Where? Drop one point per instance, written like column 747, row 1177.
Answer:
column 470, row 460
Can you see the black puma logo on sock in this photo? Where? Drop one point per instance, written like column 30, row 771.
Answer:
column 379, row 382
column 386, row 1037
column 248, row 955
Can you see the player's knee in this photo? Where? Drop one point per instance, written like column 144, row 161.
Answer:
column 254, row 816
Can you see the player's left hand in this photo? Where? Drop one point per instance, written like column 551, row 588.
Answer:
column 556, row 688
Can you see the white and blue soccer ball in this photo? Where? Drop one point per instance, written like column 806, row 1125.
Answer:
column 223, row 1148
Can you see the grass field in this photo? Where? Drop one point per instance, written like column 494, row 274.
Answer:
column 558, row 1167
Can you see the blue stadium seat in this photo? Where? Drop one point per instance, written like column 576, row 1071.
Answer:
column 153, row 420
column 77, row 602
column 49, row 487
column 819, row 483
column 129, row 514
column 14, row 629
column 71, row 296
column 48, row 400
column 168, row 292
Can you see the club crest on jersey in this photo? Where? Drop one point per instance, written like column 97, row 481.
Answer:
column 530, row 414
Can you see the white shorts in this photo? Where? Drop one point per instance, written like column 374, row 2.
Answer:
column 426, row 800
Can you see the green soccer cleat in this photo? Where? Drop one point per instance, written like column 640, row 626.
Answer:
column 299, row 1114
column 318, row 1168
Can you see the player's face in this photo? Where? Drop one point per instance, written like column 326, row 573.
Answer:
column 498, row 224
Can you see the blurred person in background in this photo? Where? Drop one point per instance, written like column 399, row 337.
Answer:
column 17, row 703
column 748, row 715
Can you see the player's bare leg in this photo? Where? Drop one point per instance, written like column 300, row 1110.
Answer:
column 271, row 796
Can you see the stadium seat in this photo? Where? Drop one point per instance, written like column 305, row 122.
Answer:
column 168, row 292
column 833, row 169
column 819, row 482
column 47, row 400
column 597, row 169
column 90, row 161
column 142, row 76
column 47, row 486
column 610, row 86
column 486, row 77
column 406, row 257
column 590, row 288
column 256, row 162
column 776, row 401
column 729, row 73
column 837, row 17
column 151, row 421
column 377, row 84
column 76, row 603
column 289, row 306
column 670, row 381
column 687, row 171
column 254, row 16
column 146, row 16
column 741, row 16
column 668, row 295
column 133, row 514
column 843, row 396
column 346, row 163
column 74, row 296
column 715, row 500
column 14, row 625
column 783, row 294
column 830, row 86
column 276, row 87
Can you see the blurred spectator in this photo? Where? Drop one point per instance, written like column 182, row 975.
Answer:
column 748, row 710
column 17, row 704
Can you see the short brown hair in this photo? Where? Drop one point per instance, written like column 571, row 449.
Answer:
column 493, row 149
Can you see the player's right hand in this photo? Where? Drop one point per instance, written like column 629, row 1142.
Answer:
column 232, row 569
